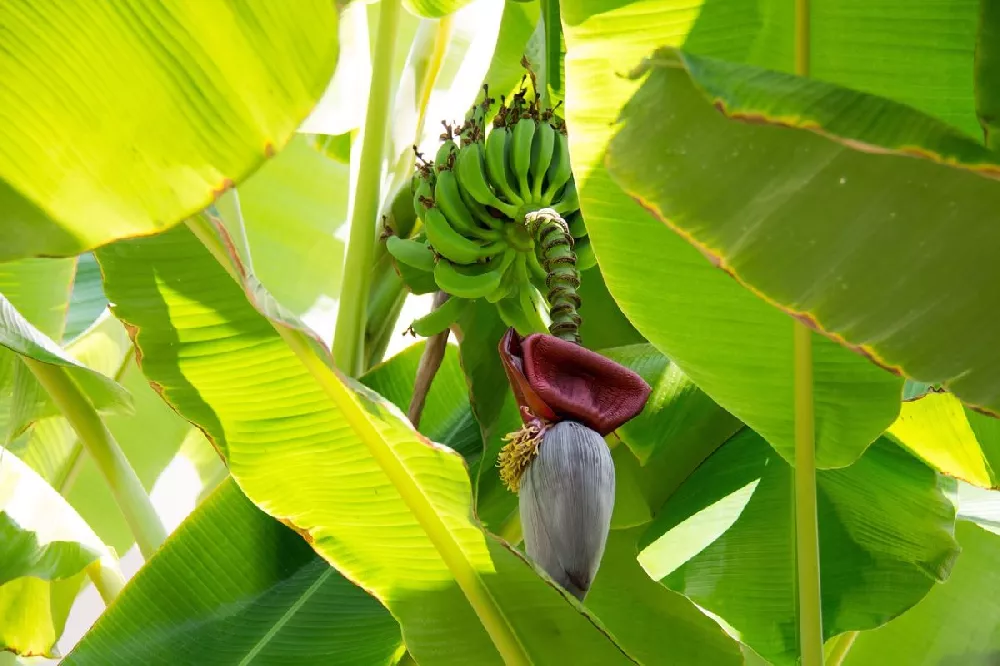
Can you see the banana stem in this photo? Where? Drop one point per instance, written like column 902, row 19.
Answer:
column 806, row 521
column 107, row 578
column 348, row 339
column 101, row 445
column 551, row 234
column 430, row 363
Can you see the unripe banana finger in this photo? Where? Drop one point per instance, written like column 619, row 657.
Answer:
column 440, row 318
column 449, row 200
column 445, row 157
column 472, row 281
column 410, row 252
column 520, row 312
column 479, row 212
column 497, row 168
column 423, row 197
column 510, row 281
column 520, row 153
column 568, row 200
column 542, row 147
column 472, row 178
column 449, row 243
column 559, row 171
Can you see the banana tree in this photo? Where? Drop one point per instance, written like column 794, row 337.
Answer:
column 700, row 367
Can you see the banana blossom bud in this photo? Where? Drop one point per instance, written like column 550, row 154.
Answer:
column 570, row 397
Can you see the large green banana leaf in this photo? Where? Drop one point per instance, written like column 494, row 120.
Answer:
column 390, row 510
column 658, row 625
column 725, row 540
column 956, row 623
column 288, row 592
column 735, row 347
column 122, row 119
column 846, row 227
column 233, row 586
column 954, row 440
column 44, row 548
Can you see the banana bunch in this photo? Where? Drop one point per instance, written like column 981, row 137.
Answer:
column 472, row 199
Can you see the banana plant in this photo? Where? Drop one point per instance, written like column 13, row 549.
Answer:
column 450, row 332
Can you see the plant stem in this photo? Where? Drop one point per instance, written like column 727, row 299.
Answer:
column 385, row 301
column 71, row 471
column 841, row 645
column 806, row 520
column 553, row 45
column 802, row 37
column 349, row 336
column 107, row 578
column 102, row 447
column 551, row 234
column 806, row 523
column 430, row 362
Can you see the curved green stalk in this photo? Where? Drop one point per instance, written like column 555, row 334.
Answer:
column 107, row 578
column 839, row 648
column 102, row 447
column 71, row 471
column 348, row 339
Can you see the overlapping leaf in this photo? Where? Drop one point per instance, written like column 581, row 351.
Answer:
column 725, row 539
column 956, row 623
column 735, row 347
column 953, row 440
column 235, row 584
column 389, row 510
column 284, row 590
column 878, row 183
column 44, row 544
column 19, row 336
column 122, row 119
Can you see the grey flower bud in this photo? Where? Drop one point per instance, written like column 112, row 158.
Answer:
column 566, row 498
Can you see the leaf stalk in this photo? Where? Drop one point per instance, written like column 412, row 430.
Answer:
column 348, row 341
column 100, row 444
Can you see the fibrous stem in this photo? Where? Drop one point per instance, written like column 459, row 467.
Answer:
column 555, row 247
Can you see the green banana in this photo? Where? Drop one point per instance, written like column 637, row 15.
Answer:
column 410, row 252
column 520, row 153
column 496, row 163
column 473, row 179
column 423, row 197
column 568, row 200
column 542, row 148
column 521, row 312
column 577, row 229
column 535, row 266
column 585, row 257
column 440, row 318
column 559, row 170
column 472, row 281
column 452, row 245
column 402, row 216
column 479, row 211
column 449, row 199
column 510, row 281
column 443, row 159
